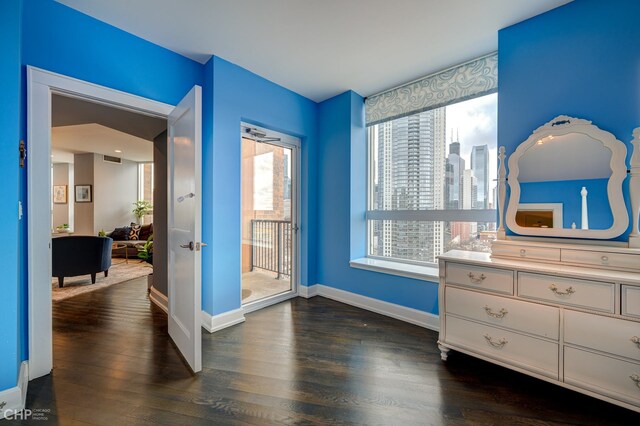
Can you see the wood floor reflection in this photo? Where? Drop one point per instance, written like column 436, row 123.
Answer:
column 303, row 361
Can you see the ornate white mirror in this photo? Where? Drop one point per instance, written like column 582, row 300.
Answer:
column 566, row 181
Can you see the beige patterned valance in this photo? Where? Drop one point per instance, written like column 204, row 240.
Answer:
column 469, row 80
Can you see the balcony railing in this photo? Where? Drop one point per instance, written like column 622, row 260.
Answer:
column 271, row 241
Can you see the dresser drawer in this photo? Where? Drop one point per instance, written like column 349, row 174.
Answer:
column 599, row 258
column 522, row 351
column 616, row 336
column 604, row 375
column 528, row 252
column 514, row 314
column 497, row 280
column 631, row 301
column 596, row 295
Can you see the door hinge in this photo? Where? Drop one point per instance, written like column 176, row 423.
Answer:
column 23, row 153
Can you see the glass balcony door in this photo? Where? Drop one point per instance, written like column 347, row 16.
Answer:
column 269, row 216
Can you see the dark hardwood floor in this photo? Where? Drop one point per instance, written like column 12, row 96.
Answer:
column 303, row 361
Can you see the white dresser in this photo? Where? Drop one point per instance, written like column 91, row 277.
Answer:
column 564, row 313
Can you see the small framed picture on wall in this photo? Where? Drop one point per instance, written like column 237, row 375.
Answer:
column 83, row 193
column 60, row 194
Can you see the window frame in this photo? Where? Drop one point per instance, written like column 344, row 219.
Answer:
column 442, row 215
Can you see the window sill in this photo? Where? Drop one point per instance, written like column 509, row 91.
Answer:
column 418, row 272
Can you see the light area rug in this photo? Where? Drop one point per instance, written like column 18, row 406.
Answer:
column 118, row 273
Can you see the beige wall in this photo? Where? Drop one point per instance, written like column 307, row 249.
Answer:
column 63, row 213
column 83, row 212
column 115, row 190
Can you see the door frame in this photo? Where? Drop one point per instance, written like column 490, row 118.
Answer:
column 295, row 144
column 41, row 84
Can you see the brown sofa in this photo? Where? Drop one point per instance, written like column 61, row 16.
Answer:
column 123, row 235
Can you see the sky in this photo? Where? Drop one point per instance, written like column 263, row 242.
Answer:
column 476, row 122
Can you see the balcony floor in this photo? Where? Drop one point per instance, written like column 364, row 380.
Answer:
column 259, row 284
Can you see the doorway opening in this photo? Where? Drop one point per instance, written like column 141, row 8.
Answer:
column 103, row 185
column 270, row 188
column 183, row 201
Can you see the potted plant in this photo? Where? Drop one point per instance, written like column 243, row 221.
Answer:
column 63, row 228
column 142, row 208
column 146, row 253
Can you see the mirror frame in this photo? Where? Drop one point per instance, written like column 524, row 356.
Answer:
column 559, row 126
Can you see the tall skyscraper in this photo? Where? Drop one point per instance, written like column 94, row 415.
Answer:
column 411, row 176
column 455, row 168
column 480, row 169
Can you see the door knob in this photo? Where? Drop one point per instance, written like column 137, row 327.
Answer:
column 190, row 246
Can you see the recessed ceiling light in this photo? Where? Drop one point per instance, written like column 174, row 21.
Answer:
column 118, row 151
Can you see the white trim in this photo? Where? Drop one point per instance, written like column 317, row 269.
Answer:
column 563, row 125
column 15, row 397
column 159, row 299
column 218, row 322
column 271, row 300
column 407, row 270
column 308, row 291
column 40, row 85
column 402, row 313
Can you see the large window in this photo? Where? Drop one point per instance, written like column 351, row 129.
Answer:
column 432, row 181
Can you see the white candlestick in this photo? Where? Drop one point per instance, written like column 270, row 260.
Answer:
column 585, row 215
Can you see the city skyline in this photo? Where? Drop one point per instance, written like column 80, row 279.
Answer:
column 416, row 167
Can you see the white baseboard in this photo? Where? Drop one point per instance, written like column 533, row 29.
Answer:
column 218, row 322
column 402, row 313
column 13, row 399
column 307, row 291
column 159, row 299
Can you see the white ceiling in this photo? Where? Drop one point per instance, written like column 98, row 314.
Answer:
column 324, row 47
column 87, row 138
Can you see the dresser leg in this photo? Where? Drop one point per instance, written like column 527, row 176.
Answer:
column 444, row 352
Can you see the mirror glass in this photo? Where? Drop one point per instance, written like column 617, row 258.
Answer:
column 566, row 181
column 555, row 173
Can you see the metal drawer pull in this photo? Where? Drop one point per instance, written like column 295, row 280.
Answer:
column 475, row 279
column 523, row 252
column 636, row 340
column 557, row 292
column 604, row 258
column 635, row 378
column 500, row 343
column 500, row 314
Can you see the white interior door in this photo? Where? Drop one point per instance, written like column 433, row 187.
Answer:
column 184, row 217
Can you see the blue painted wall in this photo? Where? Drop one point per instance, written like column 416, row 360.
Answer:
column 567, row 192
column 241, row 96
column 10, row 312
column 582, row 60
column 62, row 40
column 48, row 35
column 341, row 208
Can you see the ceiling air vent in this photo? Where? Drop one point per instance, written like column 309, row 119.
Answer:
column 110, row 159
